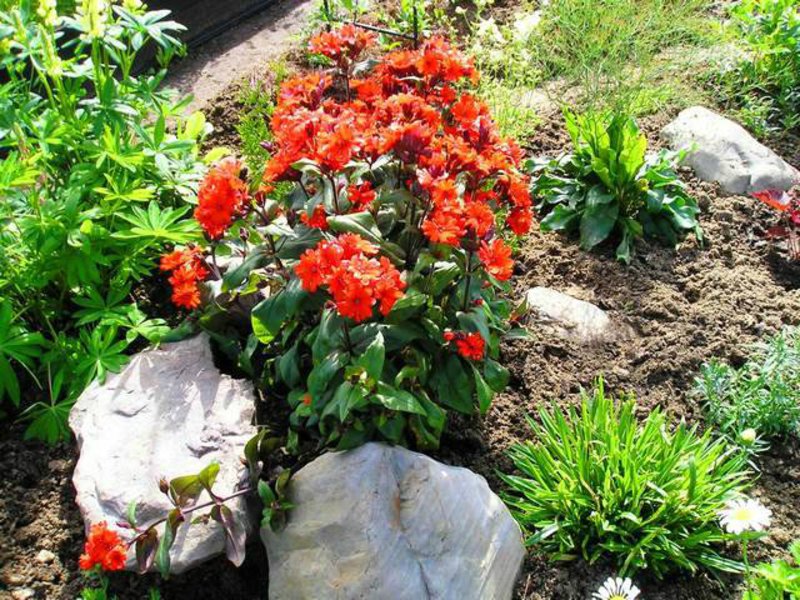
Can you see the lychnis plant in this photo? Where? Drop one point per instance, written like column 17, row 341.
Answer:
column 374, row 278
column 596, row 484
column 610, row 188
column 97, row 162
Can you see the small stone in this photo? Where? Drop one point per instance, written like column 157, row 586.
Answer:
column 23, row 594
column 12, row 579
column 569, row 317
column 723, row 151
column 385, row 522
column 45, row 556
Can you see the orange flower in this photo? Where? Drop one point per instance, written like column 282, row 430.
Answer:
column 520, row 220
column 187, row 270
column 777, row 199
column 496, row 258
column 355, row 280
column 318, row 219
column 105, row 548
column 469, row 345
column 345, row 43
column 361, row 195
column 222, row 195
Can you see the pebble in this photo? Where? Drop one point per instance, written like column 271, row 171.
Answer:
column 13, row 579
column 23, row 594
column 45, row 557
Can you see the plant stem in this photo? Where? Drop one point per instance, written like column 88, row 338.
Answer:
column 347, row 340
column 468, row 280
column 216, row 501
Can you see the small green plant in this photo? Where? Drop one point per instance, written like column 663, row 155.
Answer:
column 778, row 580
column 597, row 484
column 609, row 186
column 764, row 84
column 763, row 394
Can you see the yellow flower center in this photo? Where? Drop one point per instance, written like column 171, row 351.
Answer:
column 743, row 514
column 617, row 597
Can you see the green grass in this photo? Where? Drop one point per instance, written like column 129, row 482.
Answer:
column 598, row 484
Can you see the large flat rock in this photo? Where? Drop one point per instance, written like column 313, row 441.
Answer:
column 723, row 151
column 385, row 522
column 170, row 412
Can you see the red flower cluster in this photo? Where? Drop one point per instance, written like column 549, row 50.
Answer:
column 469, row 345
column 782, row 202
column 346, row 43
column 103, row 547
column 221, row 197
column 188, row 270
column 788, row 205
column 355, row 278
column 496, row 259
column 407, row 108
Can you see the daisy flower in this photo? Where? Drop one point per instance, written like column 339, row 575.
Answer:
column 740, row 515
column 616, row 588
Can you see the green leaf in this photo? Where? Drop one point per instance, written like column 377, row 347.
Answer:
column 483, row 390
column 561, row 218
column 597, row 223
column 208, row 476
column 269, row 315
column 362, row 223
column 289, row 366
column 496, row 375
column 322, row 374
column 453, row 384
column 373, row 358
column 399, row 400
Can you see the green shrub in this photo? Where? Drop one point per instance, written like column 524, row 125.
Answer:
column 595, row 483
column 97, row 163
column 765, row 84
column 764, row 394
column 778, row 580
column 610, row 186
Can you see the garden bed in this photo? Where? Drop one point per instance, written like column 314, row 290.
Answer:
column 672, row 310
column 683, row 308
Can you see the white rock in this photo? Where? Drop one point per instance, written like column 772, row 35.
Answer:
column 724, row 152
column 23, row 594
column 168, row 413
column 45, row 556
column 569, row 317
column 385, row 522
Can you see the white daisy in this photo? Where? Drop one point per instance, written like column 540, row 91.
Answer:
column 616, row 588
column 741, row 515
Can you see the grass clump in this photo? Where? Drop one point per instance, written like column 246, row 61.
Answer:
column 763, row 394
column 597, row 484
column 610, row 48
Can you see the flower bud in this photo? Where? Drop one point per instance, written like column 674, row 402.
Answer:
column 748, row 436
column 163, row 485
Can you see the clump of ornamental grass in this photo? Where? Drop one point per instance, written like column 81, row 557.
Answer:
column 596, row 483
column 373, row 253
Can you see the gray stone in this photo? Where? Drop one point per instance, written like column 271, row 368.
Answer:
column 170, row 412
column 723, row 151
column 385, row 522
column 569, row 317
